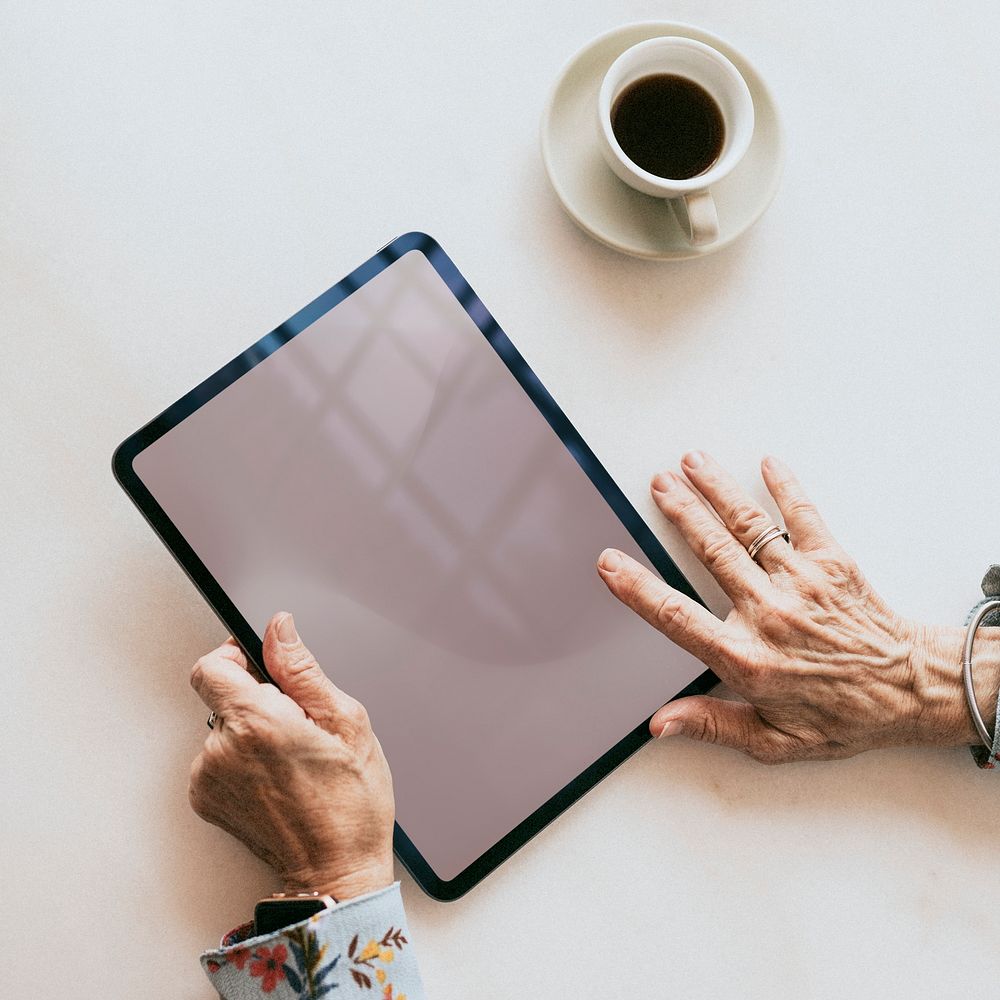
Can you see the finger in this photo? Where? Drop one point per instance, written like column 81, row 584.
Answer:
column 712, row 542
column 807, row 529
column 299, row 676
column 221, row 679
column 234, row 650
column 743, row 516
column 679, row 618
column 732, row 724
column 251, row 668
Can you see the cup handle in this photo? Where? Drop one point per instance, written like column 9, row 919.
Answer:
column 698, row 218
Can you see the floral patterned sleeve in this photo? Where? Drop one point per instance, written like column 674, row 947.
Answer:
column 359, row 949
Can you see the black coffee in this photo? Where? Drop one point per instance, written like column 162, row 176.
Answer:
column 668, row 125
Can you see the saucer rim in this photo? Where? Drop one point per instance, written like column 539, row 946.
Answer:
column 761, row 87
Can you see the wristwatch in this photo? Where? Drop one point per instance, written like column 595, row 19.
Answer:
column 284, row 909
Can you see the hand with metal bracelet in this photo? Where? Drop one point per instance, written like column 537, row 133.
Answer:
column 822, row 666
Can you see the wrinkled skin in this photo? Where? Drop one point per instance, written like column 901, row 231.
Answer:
column 294, row 770
column 826, row 668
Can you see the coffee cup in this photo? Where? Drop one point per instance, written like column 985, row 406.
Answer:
column 675, row 117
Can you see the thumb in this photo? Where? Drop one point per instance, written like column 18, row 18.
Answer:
column 295, row 670
column 732, row 724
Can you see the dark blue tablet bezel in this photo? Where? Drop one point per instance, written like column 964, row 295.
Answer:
column 241, row 630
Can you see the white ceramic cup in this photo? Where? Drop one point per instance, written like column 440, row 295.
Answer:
column 690, row 198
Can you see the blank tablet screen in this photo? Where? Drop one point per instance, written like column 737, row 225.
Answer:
column 384, row 477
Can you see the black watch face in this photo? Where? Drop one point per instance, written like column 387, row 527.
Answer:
column 273, row 914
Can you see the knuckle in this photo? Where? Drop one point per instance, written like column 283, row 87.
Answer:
column 836, row 570
column 784, row 484
column 209, row 758
column 812, row 587
column 356, row 716
column 196, row 796
column 717, row 551
column 844, row 571
column 634, row 588
column 800, row 507
column 747, row 522
column 688, row 507
column 251, row 731
column 669, row 614
column 301, row 661
column 706, row 728
column 269, row 702
column 198, row 672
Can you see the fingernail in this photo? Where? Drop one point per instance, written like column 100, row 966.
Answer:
column 694, row 459
column 610, row 561
column 672, row 727
column 771, row 464
column 286, row 631
column 663, row 482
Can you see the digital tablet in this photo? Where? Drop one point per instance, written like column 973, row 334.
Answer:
column 387, row 467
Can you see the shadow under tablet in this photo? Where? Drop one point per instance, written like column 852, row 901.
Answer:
column 393, row 475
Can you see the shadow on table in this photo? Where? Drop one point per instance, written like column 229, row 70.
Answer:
column 206, row 878
column 898, row 801
column 895, row 790
column 658, row 297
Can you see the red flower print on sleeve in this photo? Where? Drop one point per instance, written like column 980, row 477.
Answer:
column 267, row 963
column 238, row 957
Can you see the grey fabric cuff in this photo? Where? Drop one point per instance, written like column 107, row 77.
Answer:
column 991, row 591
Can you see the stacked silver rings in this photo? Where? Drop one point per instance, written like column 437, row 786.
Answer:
column 764, row 538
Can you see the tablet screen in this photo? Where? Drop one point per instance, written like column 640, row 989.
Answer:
column 384, row 477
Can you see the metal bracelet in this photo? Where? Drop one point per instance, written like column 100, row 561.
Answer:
column 970, row 691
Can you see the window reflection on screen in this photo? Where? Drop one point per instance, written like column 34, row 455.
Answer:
column 384, row 477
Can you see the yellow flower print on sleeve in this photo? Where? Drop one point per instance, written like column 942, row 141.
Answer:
column 363, row 968
column 370, row 951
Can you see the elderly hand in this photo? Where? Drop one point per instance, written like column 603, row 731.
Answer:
column 826, row 668
column 294, row 771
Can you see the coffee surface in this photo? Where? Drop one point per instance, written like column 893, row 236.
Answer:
column 668, row 125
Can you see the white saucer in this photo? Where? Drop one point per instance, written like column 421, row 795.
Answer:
column 610, row 210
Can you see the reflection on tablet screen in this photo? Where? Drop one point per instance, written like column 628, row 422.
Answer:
column 384, row 477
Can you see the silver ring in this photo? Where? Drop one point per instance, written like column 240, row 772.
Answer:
column 212, row 720
column 766, row 536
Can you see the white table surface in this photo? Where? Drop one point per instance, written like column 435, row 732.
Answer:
column 178, row 178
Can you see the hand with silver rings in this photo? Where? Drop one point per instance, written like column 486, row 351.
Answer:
column 824, row 667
